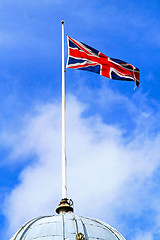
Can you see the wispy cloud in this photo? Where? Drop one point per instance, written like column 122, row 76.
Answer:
column 99, row 159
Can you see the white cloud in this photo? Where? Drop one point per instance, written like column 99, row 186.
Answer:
column 105, row 173
column 144, row 235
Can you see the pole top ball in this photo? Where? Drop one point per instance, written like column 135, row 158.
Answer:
column 62, row 22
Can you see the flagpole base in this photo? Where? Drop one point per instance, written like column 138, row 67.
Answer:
column 65, row 206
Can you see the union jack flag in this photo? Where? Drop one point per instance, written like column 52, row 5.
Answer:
column 84, row 57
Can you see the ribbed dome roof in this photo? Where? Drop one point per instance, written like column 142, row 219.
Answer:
column 66, row 226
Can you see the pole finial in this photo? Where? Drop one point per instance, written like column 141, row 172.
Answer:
column 62, row 22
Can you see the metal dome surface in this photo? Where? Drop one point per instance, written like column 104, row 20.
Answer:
column 66, row 226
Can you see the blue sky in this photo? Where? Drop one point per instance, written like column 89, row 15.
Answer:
column 113, row 131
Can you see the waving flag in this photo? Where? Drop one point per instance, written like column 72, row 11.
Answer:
column 84, row 57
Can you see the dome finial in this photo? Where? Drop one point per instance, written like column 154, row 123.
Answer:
column 65, row 206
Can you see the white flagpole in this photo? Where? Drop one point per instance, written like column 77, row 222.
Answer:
column 64, row 160
column 65, row 205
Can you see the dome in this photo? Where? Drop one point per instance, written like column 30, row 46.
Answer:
column 66, row 226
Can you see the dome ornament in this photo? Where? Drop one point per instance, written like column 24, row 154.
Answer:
column 80, row 236
column 66, row 205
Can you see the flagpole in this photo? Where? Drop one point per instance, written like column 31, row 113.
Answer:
column 65, row 205
column 64, row 160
